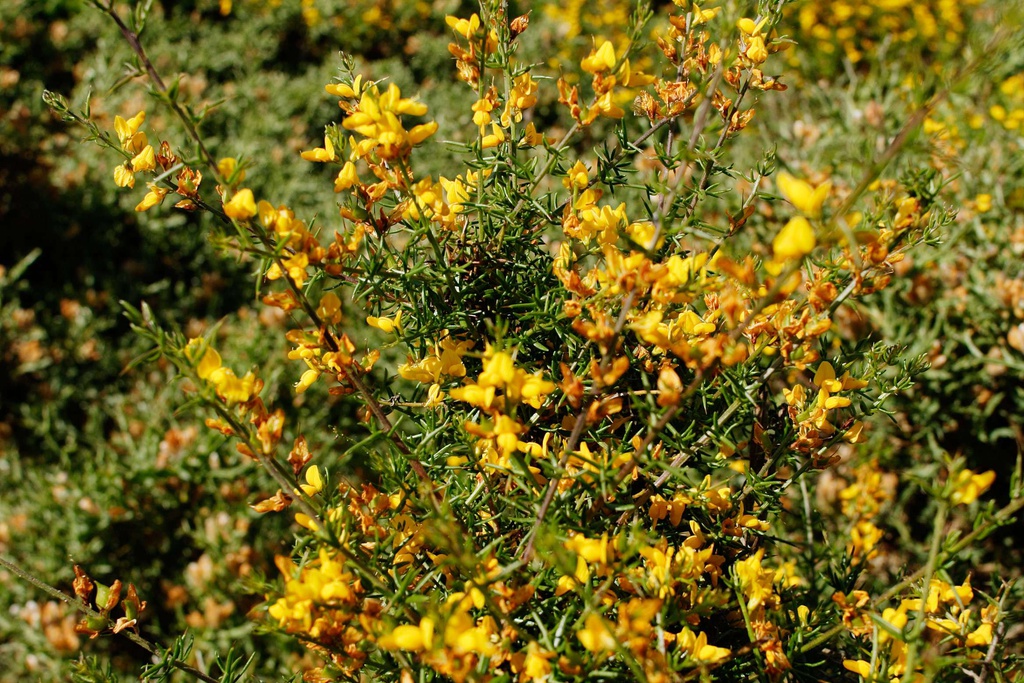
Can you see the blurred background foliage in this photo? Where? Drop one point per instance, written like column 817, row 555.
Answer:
column 98, row 468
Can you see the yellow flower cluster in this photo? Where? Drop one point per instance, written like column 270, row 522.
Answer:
column 862, row 503
column 444, row 364
column 1010, row 111
column 608, row 71
column 442, row 202
column 229, row 387
column 481, row 42
column 946, row 612
column 144, row 158
column 375, row 117
column 814, row 419
column 499, row 391
column 856, row 30
column 323, row 601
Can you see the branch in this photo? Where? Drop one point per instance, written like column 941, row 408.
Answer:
column 146, row 645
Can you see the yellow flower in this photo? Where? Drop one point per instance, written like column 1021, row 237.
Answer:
column 347, row 177
column 599, row 60
column 576, row 178
column 794, row 241
column 408, row 637
column 210, row 362
column 241, row 206
column 386, row 325
column 145, row 160
column 231, row 388
column 152, row 198
column 128, row 132
column 123, row 176
column 494, row 138
column 702, row 16
column 858, row 666
column 227, row 166
column 308, row 379
column 756, row 50
column 597, row 635
column 314, row 482
column 967, row 486
column 805, row 197
column 376, row 119
column 697, row 647
column 329, row 309
column 756, row 581
column 325, row 153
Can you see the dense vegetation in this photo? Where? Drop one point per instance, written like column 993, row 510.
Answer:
column 583, row 340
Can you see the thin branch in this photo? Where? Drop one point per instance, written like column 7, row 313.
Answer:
column 146, row 645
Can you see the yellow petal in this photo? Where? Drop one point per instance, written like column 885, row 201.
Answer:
column 805, row 197
column 314, row 480
column 795, row 240
column 242, row 206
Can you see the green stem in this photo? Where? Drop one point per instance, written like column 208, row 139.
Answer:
column 914, row 637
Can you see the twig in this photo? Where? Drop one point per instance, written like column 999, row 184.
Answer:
column 82, row 607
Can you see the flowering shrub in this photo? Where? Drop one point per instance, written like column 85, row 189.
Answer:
column 602, row 375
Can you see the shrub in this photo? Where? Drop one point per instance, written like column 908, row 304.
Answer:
column 605, row 379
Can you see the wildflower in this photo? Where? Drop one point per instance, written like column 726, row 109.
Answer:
column 231, row 388
column 228, row 169
column 128, row 134
column 376, row 118
column 241, row 206
column 597, row 635
column 794, row 241
column 756, row 581
column 322, row 154
column 600, row 59
column 576, row 178
column 805, row 197
column 347, row 177
column 967, row 486
column 386, row 325
column 123, row 176
column 153, row 197
column 696, row 646
column 522, row 96
column 145, row 160
column 409, row 637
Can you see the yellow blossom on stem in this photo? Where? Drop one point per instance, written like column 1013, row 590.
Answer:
column 409, row 637
column 322, row 154
column 967, row 486
column 153, row 197
column 347, row 177
column 314, row 482
column 801, row 194
column 794, row 241
column 128, row 134
column 241, row 206
column 231, row 388
column 123, row 176
column 600, row 59
column 386, row 325
column 597, row 636
column 228, row 169
column 376, row 118
column 145, row 160
column 696, row 646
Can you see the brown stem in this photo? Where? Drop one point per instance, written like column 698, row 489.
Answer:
column 85, row 609
column 154, row 75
